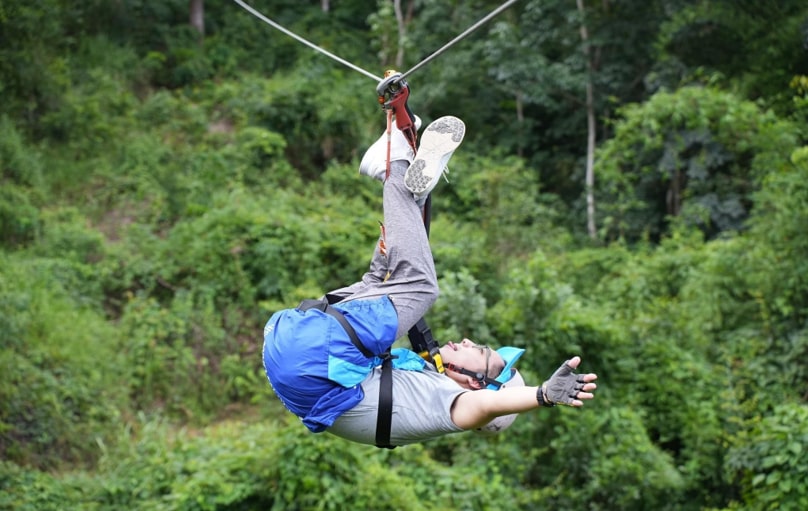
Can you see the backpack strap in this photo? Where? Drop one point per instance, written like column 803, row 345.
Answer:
column 324, row 306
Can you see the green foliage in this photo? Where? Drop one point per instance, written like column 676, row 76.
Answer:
column 737, row 40
column 56, row 399
column 235, row 466
column 460, row 312
column 34, row 76
column 19, row 218
column 167, row 469
column 20, row 169
column 540, row 311
column 162, row 193
column 169, row 352
column 94, row 112
column 695, row 153
column 19, row 164
column 778, row 240
column 770, row 462
column 24, row 489
column 618, row 453
column 67, row 232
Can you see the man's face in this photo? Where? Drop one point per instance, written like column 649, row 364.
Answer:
column 472, row 357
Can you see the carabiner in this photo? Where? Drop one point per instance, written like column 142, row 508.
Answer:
column 392, row 86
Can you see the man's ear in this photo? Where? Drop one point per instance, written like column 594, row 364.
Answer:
column 474, row 383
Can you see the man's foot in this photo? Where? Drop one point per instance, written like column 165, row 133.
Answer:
column 439, row 141
column 374, row 162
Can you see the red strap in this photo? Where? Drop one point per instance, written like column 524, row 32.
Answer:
column 389, row 141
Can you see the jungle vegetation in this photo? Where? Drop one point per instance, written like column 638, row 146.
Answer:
column 633, row 188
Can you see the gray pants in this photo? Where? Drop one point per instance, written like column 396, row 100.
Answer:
column 412, row 284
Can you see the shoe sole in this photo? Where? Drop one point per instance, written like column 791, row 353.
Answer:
column 439, row 141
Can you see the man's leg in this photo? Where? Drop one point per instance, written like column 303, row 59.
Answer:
column 374, row 276
column 374, row 164
column 411, row 282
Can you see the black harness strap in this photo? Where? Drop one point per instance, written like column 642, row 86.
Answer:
column 324, row 306
column 425, row 345
column 384, row 419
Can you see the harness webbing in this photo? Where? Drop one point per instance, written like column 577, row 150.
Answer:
column 384, row 417
column 424, row 344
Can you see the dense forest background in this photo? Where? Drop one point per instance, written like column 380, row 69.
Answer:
column 633, row 188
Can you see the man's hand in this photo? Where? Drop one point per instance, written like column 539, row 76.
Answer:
column 565, row 387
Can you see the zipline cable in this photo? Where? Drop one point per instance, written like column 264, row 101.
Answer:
column 304, row 41
column 359, row 69
column 461, row 36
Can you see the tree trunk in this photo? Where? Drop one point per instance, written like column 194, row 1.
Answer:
column 520, row 122
column 197, row 9
column 402, row 33
column 590, row 129
column 325, row 5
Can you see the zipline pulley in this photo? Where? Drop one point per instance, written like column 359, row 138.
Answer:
column 393, row 93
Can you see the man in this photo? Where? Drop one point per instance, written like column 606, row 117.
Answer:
column 331, row 380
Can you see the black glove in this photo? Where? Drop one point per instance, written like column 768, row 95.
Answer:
column 562, row 387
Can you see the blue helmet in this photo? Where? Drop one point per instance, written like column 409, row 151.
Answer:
column 510, row 355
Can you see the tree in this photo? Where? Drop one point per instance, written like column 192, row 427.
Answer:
column 697, row 153
column 391, row 13
column 197, row 8
column 561, row 90
column 590, row 126
column 758, row 46
column 402, row 20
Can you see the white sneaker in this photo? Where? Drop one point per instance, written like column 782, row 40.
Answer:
column 439, row 141
column 374, row 162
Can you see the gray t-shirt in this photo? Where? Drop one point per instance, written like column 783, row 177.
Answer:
column 422, row 402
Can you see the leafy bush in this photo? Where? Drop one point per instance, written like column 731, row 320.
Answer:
column 607, row 448
column 461, row 310
column 236, row 466
column 93, row 113
column 21, row 172
column 696, row 152
column 59, row 390
column 775, row 265
column 24, row 489
column 770, row 462
column 20, row 164
column 172, row 355
column 20, row 221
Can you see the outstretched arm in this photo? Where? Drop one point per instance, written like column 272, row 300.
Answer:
column 475, row 409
